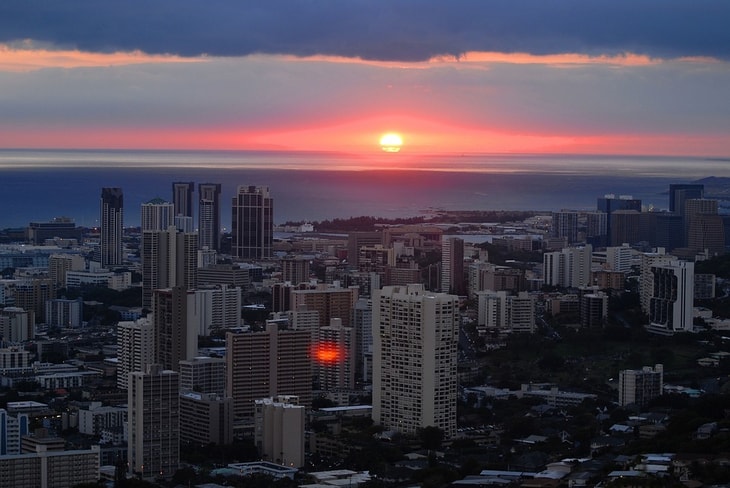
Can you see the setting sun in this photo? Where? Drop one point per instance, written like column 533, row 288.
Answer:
column 391, row 142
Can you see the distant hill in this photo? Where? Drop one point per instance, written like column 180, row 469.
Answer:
column 717, row 187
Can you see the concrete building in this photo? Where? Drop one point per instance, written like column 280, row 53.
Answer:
column 12, row 429
column 176, row 324
column 218, row 307
column 64, row 313
column 97, row 418
column 182, row 198
column 357, row 240
column 154, row 423
column 415, row 336
column 135, row 348
column 570, row 268
column 279, row 433
column 609, row 204
column 452, row 266
column 672, row 301
column 157, row 214
column 704, row 286
column 60, row 264
column 565, row 224
column 206, row 418
column 593, row 309
column 115, row 280
column 209, row 215
column 295, row 270
column 50, row 469
column 334, row 357
column 112, row 226
column 169, row 259
column 265, row 364
column 498, row 311
column 252, row 223
column 203, row 375
column 332, row 302
column 646, row 279
column 16, row 324
column 640, row 386
column 362, row 322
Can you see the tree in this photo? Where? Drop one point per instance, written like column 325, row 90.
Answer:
column 431, row 437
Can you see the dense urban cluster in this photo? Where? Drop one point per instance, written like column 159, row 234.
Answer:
column 564, row 349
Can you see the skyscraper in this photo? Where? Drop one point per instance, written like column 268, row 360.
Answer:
column 176, row 326
column 112, row 225
column 169, row 258
column 135, row 349
column 680, row 192
column 452, row 266
column 209, row 215
column 415, row 335
column 672, row 300
column 182, row 198
column 565, row 224
column 610, row 203
column 153, row 399
column 252, row 223
column 157, row 214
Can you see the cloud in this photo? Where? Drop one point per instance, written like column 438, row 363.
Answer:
column 388, row 30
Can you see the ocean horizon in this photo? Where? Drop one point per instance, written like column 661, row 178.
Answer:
column 38, row 185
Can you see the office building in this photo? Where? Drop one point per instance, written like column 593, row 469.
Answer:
column 169, row 259
column 356, row 240
column 153, row 400
column 452, row 266
column 62, row 228
column 182, row 198
column 111, row 221
column 610, row 204
column 672, row 300
column 705, row 228
column 252, row 223
column 157, row 214
column 135, row 348
column 679, row 193
column 415, row 336
column 596, row 229
column 295, row 270
column 669, row 231
column 225, row 274
column 265, row 364
column 176, row 323
column 639, row 386
column 206, row 418
column 209, row 215
column 625, row 227
column 279, row 431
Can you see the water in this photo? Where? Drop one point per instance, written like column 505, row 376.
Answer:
column 39, row 185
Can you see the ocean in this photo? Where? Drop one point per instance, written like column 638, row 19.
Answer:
column 38, row 185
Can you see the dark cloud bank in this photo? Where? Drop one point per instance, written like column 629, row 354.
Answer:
column 405, row 30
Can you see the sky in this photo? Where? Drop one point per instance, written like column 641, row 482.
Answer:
column 463, row 76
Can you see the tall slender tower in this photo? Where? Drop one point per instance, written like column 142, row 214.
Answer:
column 209, row 215
column 182, row 198
column 169, row 258
column 153, row 400
column 252, row 224
column 415, row 336
column 452, row 266
column 112, row 224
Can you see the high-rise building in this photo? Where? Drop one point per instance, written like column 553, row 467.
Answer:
column 671, row 304
column 452, row 266
column 264, row 364
column 680, row 192
column 609, row 204
column 334, row 356
column 182, row 198
column 330, row 302
column 177, row 323
column 206, row 418
column 593, row 309
column 112, row 226
column 58, row 228
column 705, row 228
column 356, row 240
column 252, row 223
column 17, row 324
column 209, row 215
column 362, row 321
column 279, row 431
column 295, row 270
column 12, row 428
column 218, row 307
column 498, row 311
column 203, row 375
column 565, row 224
column 639, row 386
column 59, row 265
column 157, row 214
column 135, row 349
column 153, row 400
column 415, row 336
column 646, row 281
column 169, row 259
column 570, row 267
column 64, row 313
column 625, row 227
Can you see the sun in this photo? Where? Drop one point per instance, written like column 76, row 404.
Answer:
column 391, row 142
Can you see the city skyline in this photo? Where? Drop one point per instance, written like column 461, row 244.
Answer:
column 532, row 77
